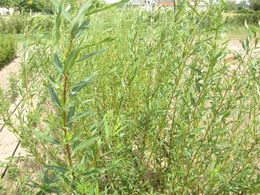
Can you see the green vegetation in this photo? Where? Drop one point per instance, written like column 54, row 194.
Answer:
column 238, row 14
column 7, row 50
column 20, row 24
column 239, row 19
column 255, row 5
column 121, row 101
column 28, row 5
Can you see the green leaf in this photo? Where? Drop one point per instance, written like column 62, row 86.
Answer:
column 58, row 20
column 94, row 171
column 81, row 115
column 57, row 168
column 108, row 39
column 54, row 97
column 79, row 17
column 85, row 144
column 58, row 63
column 92, row 54
column 47, row 138
column 78, row 87
column 106, row 7
column 71, row 114
column 71, row 60
column 53, row 82
column 84, row 25
column 108, row 130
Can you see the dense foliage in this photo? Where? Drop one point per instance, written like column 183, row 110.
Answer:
column 19, row 24
column 129, row 102
column 255, row 5
column 7, row 50
column 238, row 14
column 28, row 5
column 250, row 17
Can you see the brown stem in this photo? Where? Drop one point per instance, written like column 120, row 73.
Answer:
column 65, row 121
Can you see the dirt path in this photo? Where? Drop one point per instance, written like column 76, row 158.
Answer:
column 11, row 68
column 8, row 141
column 235, row 45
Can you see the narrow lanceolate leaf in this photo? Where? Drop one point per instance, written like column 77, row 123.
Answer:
column 85, row 24
column 54, row 97
column 71, row 60
column 108, row 130
column 57, row 63
column 81, row 115
column 78, row 19
column 58, row 6
column 71, row 114
column 91, row 54
column 108, row 39
column 57, row 168
column 78, row 87
column 53, row 82
column 106, row 7
column 84, row 145
column 48, row 138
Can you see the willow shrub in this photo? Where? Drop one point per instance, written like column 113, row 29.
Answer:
column 134, row 102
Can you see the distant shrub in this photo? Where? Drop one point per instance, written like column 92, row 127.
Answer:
column 29, row 6
column 12, row 24
column 245, row 11
column 17, row 24
column 255, row 5
column 7, row 50
column 237, row 7
column 239, row 19
column 230, row 6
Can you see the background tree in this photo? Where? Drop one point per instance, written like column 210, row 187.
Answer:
column 255, row 5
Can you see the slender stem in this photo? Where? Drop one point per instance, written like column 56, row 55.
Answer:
column 65, row 122
column 65, row 112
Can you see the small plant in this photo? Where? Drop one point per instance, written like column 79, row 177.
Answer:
column 13, row 87
column 4, row 106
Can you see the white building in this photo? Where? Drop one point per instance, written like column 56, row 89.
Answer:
column 247, row 2
column 6, row 11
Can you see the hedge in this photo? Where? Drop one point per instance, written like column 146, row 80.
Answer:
column 18, row 24
column 252, row 18
column 7, row 50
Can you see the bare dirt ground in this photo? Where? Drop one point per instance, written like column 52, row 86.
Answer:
column 11, row 68
column 8, row 141
column 235, row 45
